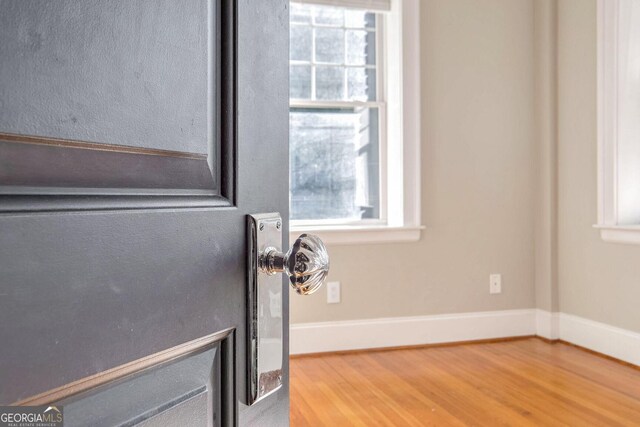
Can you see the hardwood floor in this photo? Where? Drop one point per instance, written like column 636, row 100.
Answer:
column 527, row 382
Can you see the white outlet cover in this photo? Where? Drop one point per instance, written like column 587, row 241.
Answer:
column 495, row 283
column 333, row 292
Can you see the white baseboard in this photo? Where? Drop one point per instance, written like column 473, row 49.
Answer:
column 401, row 331
column 606, row 339
column 548, row 324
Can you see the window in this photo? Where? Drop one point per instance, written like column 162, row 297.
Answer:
column 618, row 120
column 336, row 108
column 347, row 169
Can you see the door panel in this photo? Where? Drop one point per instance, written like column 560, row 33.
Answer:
column 118, row 98
column 119, row 286
column 135, row 137
column 132, row 73
column 183, row 392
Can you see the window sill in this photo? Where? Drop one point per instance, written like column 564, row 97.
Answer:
column 357, row 235
column 629, row 234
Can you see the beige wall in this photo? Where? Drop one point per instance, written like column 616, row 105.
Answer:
column 509, row 176
column 477, row 177
column 597, row 280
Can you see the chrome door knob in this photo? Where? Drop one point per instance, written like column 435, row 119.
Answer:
column 306, row 263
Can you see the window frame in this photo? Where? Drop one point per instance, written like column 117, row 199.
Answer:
column 611, row 230
column 398, row 89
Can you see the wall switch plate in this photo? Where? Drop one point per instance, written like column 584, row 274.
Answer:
column 333, row 292
column 495, row 283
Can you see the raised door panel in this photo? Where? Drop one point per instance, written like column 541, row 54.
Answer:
column 191, row 388
column 116, row 98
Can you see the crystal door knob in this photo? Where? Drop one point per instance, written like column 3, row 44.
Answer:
column 306, row 263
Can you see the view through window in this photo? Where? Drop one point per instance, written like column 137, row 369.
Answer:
column 336, row 115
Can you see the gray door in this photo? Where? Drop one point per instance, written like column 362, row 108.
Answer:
column 135, row 137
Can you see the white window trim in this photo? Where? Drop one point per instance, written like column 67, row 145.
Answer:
column 402, row 64
column 610, row 228
column 374, row 5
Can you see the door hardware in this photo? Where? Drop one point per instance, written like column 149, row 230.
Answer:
column 306, row 265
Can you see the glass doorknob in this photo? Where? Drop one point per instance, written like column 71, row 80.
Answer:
column 306, row 263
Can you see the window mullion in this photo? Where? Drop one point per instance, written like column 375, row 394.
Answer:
column 345, row 91
column 313, row 63
column 305, row 103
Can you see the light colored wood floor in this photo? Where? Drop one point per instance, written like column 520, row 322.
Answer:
column 526, row 382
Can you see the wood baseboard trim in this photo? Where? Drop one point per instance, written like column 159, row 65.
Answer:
column 547, row 340
column 597, row 353
column 385, row 334
column 459, row 343
column 412, row 347
column 611, row 341
column 410, row 331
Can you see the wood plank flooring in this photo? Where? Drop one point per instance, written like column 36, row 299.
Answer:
column 527, row 382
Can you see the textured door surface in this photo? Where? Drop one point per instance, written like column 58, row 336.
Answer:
column 135, row 137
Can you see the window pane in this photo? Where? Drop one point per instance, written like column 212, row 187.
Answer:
column 334, row 164
column 300, row 13
column 300, row 81
column 361, row 47
column 361, row 84
column 330, row 45
column 370, row 20
column 329, row 16
column 354, row 18
column 300, row 37
column 329, row 82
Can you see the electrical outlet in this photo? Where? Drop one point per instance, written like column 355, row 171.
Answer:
column 333, row 292
column 495, row 283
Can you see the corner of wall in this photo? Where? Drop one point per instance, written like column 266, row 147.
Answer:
column 546, row 158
